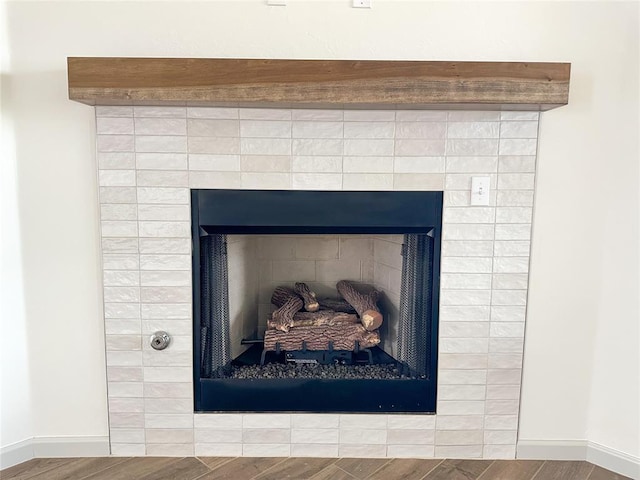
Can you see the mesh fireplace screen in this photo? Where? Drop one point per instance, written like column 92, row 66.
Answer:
column 415, row 302
column 214, row 321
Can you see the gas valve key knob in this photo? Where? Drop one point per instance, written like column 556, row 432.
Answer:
column 160, row 340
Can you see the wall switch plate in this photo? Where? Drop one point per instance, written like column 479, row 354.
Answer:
column 480, row 187
column 361, row 3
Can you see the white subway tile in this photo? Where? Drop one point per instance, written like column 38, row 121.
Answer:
column 125, row 389
column 162, row 178
column 115, row 143
column 410, row 437
column 121, row 294
column 466, row 231
column 469, row 215
column 373, row 130
column 520, row 129
column 116, row 160
column 508, row 313
column 315, row 435
column 265, row 181
column 121, row 310
column 464, row 345
column 420, row 129
column 418, row 181
column 410, row 422
column 165, row 229
column 466, row 265
column 469, row 164
column 218, row 435
column 512, row 248
column 367, row 181
column 161, row 161
column 126, row 420
column 419, row 165
column 317, row 146
column 474, row 313
column 515, row 198
column 117, row 195
column 265, row 146
column 362, row 435
column 517, row 115
column 158, row 111
column 314, row 450
column 124, row 359
column 503, row 392
column 166, row 311
column 501, row 422
column 514, row 214
column 507, row 329
column 419, row 147
column 167, row 374
column 505, row 345
column 317, row 129
column 169, row 435
column 363, row 421
column 214, row 179
column 362, row 451
column 510, row 146
column 467, row 248
column 461, row 407
column 168, row 390
column 460, row 422
column 163, row 195
column 464, row 146
column 164, row 212
column 120, row 245
column 117, row 228
column 266, row 450
column 219, row 163
column 123, row 342
column 509, row 297
column 311, row 420
column 218, row 449
column 168, row 279
column 459, row 437
column 467, row 130
column 511, row 265
column 126, row 405
column 218, row 421
column 124, row 374
column 368, row 164
column 266, row 435
column 165, row 245
column 502, row 407
column 460, row 281
column 366, row 147
column 118, row 212
column 473, row 116
column 460, row 377
column 214, row 145
column 500, row 437
column 462, row 361
column 265, row 163
column 212, row 112
column 264, row 114
column 170, row 449
column 369, row 115
column 265, row 129
column 114, row 111
column 128, row 449
column 507, row 281
column 166, row 294
column 321, row 164
column 121, row 278
column 317, row 114
column 263, row 420
column 504, row 376
column 114, row 126
column 161, row 144
column 462, row 181
column 198, row 127
column 161, row 126
column 317, row 181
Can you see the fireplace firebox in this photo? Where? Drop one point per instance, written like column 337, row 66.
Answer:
column 315, row 301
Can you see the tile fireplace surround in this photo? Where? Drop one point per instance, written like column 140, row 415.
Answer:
column 149, row 158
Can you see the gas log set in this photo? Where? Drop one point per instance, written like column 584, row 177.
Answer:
column 323, row 331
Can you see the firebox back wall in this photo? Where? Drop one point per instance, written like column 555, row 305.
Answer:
column 149, row 157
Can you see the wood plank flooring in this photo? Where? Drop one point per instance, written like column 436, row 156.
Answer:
column 245, row 468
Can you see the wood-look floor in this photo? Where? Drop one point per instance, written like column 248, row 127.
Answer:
column 244, row 468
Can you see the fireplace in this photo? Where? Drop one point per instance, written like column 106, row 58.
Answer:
column 333, row 357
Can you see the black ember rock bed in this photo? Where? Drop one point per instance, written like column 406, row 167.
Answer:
column 307, row 370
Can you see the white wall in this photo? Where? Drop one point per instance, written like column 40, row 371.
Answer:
column 582, row 346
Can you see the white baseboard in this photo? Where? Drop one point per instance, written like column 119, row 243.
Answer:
column 605, row 457
column 16, row 453
column 614, row 460
column 47, row 447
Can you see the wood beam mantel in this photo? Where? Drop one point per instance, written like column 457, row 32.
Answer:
column 329, row 83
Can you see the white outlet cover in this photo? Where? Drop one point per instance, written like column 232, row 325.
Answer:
column 480, row 189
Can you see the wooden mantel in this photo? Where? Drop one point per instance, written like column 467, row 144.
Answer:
column 329, row 83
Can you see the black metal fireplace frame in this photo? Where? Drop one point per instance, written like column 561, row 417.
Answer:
column 315, row 212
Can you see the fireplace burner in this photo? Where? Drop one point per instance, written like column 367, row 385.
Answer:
column 286, row 367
